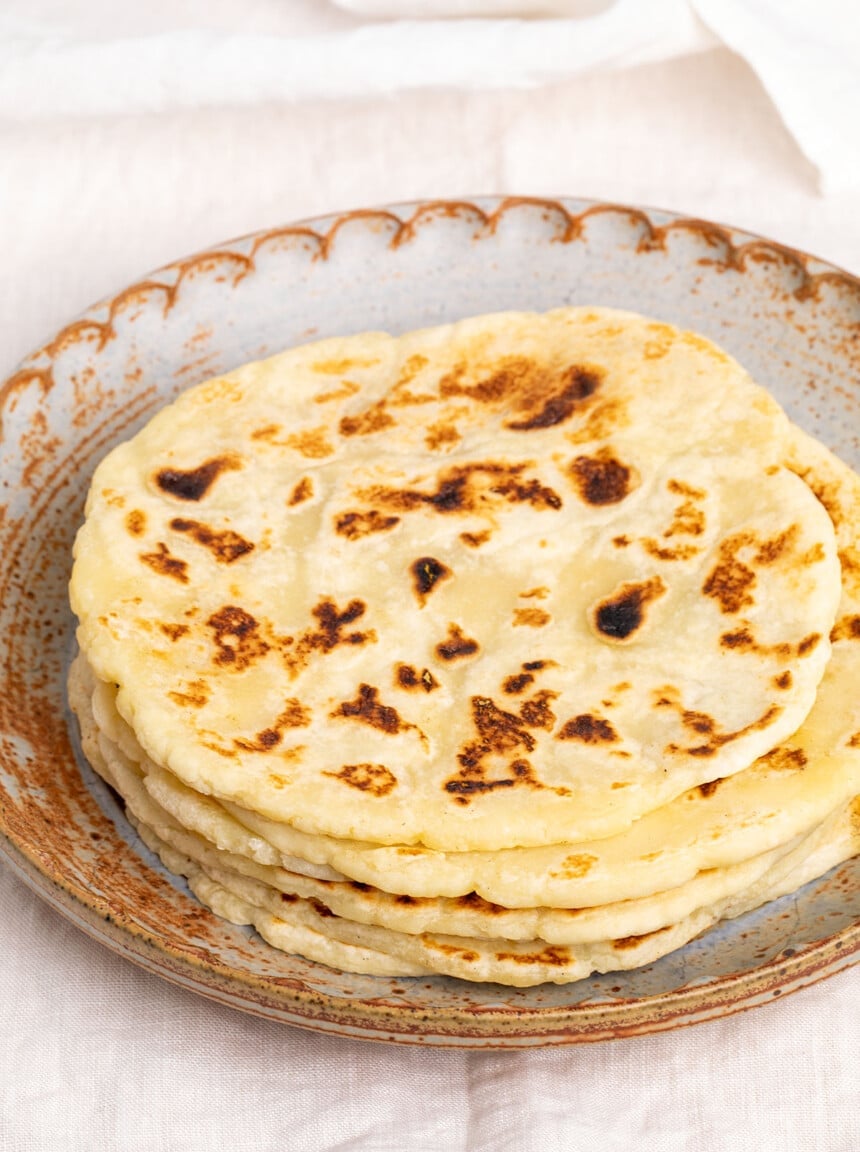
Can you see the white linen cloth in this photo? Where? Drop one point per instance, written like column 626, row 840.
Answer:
column 806, row 55
column 97, row 1055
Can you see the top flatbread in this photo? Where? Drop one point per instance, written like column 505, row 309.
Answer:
column 515, row 581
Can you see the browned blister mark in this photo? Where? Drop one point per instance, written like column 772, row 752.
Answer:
column 532, row 492
column 368, row 709
column 574, row 867
column 312, row 443
column 409, row 678
column 815, row 554
column 784, row 759
column 373, row 419
column 599, row 422
column 849, row 559
column 302, row 491
column 687, row 518
column 500, row 733
column 427, row 572
column 238, row 638
column 456, row 645
column 293, row 715
column 771, row 550
column 514, row 685
column 547, row 396
column 710, row 787
column 717, row 739
column 355, row 525
column 400, row 395
column 338, row 366
column 135, row 522
column 409, row 369
column 467, row 955
column 621, row 615
column 531, row 618
column 552, row 955
column 466, row 488
column 475, row 539
column 346, row 389
column 601, row 479
column 194, row 483
column 731, row 581
column 741, row 639
column 783, row 680
column 699, row 722
column 809, row 644
column 375, row 779
column 321, row 909
column 329, row 633
column 174, row 631
column 847, row 628
column 194, row 694
column 441, row 435
column 681, row 488
column 475, row 903
column 589, row 730
column 225, row 545
column 676, row 552
column 162, row 562
column 625, row 943
column 536, row 711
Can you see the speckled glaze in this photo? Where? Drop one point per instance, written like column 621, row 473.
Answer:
column 792, row 320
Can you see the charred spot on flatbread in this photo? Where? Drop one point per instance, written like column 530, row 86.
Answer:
column 355, row 525
column 601, row 479
column 225, row 545
column 621, row 615
column 194, row 483
column 589, row 729
column 367, row 708
column 165, row 564
column 456, row 645
column 408, row 677
column 374, row 779
column 238, row 638
column 427, row 572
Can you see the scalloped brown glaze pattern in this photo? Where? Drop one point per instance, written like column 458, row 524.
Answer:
column 792, row 319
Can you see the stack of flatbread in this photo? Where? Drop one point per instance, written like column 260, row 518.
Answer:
column 513, row 650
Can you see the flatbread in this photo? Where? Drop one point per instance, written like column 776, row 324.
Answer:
column 466, row 916
column 786, row 794
column 306, row 917
column 513, row 582
column 517, row 963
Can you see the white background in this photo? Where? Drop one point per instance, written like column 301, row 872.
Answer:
column 95, row 1054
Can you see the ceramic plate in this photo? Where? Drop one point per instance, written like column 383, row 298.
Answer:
column 792, row 320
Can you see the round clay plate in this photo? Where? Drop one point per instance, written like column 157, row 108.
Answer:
column 791, row 320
